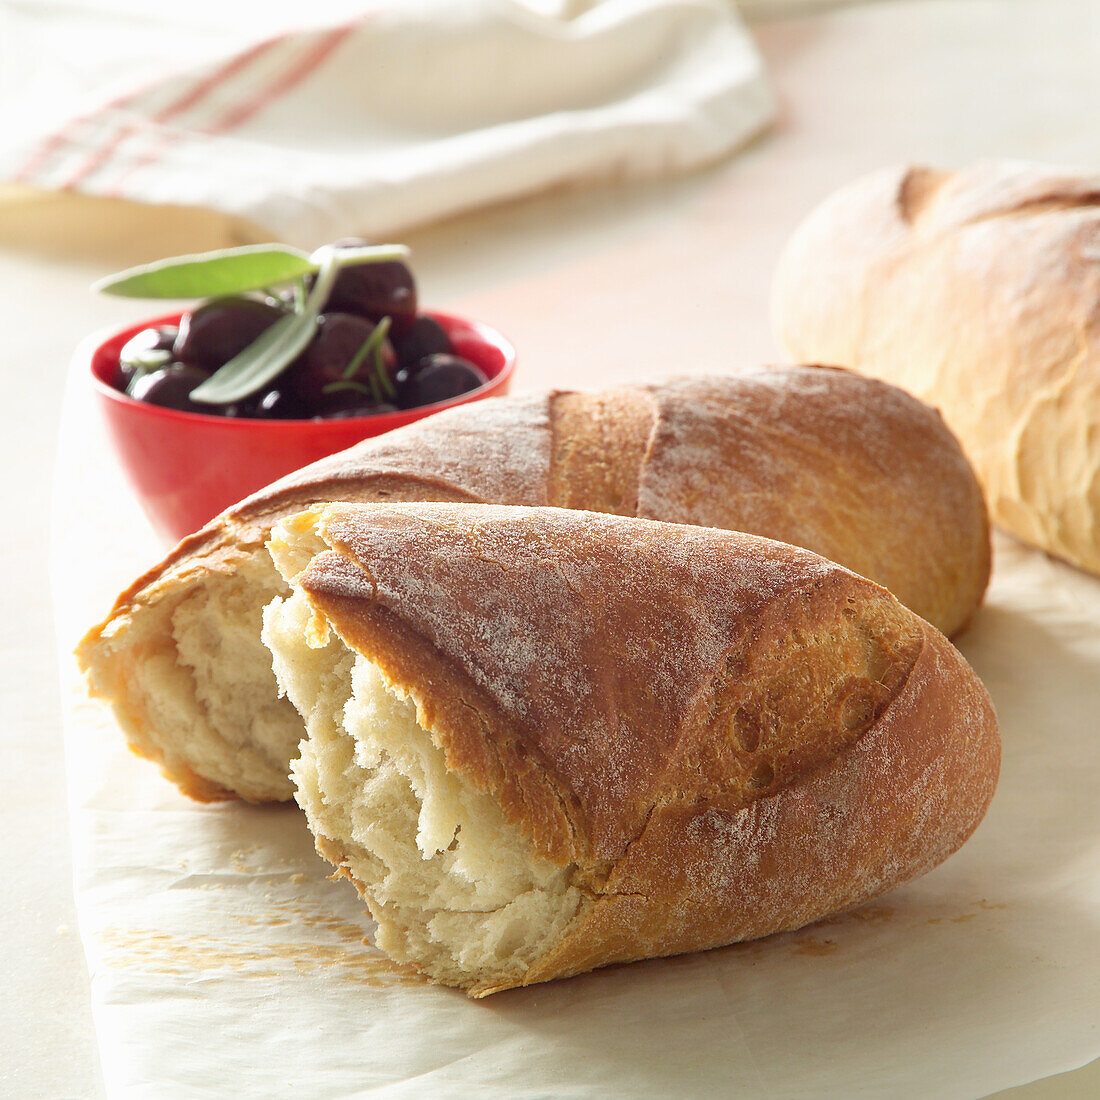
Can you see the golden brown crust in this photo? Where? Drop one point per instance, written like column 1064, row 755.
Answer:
column 899, row 801
column 978, row 291
column 724, row 736
column 846, row 466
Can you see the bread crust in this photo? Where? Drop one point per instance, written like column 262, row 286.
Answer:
column 849, row 467
column 979, row 292
column 597, row 674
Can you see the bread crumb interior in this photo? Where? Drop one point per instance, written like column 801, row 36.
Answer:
column 456, row 890
column 197, row 687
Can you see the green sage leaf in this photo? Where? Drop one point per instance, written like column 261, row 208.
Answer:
column 211, row 274
column 264, row 359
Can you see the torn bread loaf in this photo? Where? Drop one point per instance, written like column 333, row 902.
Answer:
column 541, row 741
column 853, row 469
column 979, row 292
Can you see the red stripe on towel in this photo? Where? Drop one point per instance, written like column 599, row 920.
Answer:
column 62, row 137
column 239, row 114
column 194, row 94
column 284, row 82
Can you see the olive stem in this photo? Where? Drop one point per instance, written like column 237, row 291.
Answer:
column 371, row 344
column 377, row 379
column 380, row 373
column 345, row 384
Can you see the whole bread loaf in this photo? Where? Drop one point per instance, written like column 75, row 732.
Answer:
column 541, row 741
column 979, row 292
column 850, row 468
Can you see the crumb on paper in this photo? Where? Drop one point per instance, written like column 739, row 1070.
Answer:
column 815, row 947
column 239, row 859
column 162, row 953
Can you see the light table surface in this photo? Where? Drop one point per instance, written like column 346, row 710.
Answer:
column 593, row 286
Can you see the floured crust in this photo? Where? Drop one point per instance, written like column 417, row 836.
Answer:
column 979, row 292
column 724, row 736
column 862, row 475
column 888, row 808
column 846, row 466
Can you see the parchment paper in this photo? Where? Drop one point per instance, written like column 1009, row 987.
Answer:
column 225, row 963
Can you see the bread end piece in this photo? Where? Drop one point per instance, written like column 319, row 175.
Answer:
column 181, row 662
column 837, row 747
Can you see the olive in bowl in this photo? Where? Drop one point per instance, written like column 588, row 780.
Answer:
column 437, row 378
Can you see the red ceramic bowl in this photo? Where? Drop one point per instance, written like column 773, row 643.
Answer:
column 187, row 467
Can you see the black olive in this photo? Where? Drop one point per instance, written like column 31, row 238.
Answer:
column 170, row 388
column 221, row 329
column 268, row 405
column 148, row 350
column 437, row 378
column 425, row 337
column 375, row 290
column 319, row 380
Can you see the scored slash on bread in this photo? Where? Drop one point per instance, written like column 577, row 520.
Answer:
column 541, row 741
column 850, row 468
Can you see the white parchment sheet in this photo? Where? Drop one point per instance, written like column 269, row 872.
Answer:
column 225, row 963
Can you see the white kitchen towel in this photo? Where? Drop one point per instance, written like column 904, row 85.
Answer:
column 374, row 117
